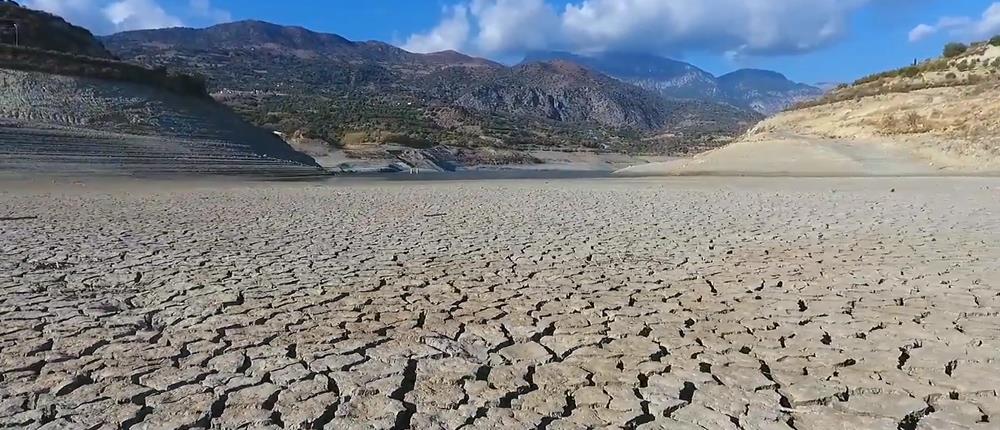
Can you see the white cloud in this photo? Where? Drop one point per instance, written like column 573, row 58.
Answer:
column 513, row 25
column 922, row 32
column 138, row 14
column 739, row 27
column 204, row 9
column 450, row 34
column 109, row 16
column 967, row 28
column 85, row 13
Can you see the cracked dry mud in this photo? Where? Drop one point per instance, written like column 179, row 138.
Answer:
column 677, row 304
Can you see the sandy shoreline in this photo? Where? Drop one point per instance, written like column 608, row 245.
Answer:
column 798, row 156
column 728, row 303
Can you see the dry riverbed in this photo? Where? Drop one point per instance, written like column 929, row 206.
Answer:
column 688, row 303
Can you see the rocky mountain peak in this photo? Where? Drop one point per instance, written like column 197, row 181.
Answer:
column 762, row 90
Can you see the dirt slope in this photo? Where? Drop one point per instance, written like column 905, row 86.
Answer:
column 939, row 117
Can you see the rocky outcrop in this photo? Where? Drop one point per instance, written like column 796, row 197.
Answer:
column 565, row 92
column 671, row 78
column 763, row 91
column 568, row 93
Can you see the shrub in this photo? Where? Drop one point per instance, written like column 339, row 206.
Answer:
column 913, row 120
column 995, row 41
column 911, row 72
column 953, row 50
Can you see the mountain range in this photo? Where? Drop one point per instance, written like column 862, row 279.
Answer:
column 324, row 86
column 764, row 91
column 295, row 80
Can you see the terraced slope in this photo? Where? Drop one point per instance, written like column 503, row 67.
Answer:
column 72, row 125
column 81, row 151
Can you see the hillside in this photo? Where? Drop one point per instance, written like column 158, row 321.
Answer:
column 65, row 112
column 48, row 32
column 70, row 125
column 60, row 63
column 351, row 93
column 764, row 91
column 940, row 116
column 566, row 92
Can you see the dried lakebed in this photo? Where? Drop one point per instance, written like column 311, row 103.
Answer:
column 682, row 304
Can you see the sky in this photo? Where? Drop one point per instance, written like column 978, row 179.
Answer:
column 810, row 41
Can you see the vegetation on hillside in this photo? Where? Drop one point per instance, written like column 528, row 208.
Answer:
column 953, row 50
column 959, row 65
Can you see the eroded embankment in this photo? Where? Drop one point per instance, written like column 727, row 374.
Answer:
column 61, row 124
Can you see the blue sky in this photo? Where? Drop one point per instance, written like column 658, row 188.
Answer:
column 878, row 40
column 808, row 40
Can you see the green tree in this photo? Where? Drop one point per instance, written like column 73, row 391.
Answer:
column 953, row 50
column 995, row 41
